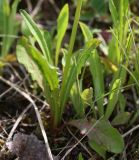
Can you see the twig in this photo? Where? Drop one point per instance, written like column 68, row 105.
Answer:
column 54, row 6
column 68, row 143
column 37, row 8
column 17, row 122
column 29, row 5
column 130, row 131
column 65, row 147
column 5, row 92
column 80, row 142
column 48, row 151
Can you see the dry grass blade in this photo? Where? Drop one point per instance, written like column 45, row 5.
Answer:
column 49, row 154
column 80, row 142
column 17, row 122
column 130, row 131
column 37, row 8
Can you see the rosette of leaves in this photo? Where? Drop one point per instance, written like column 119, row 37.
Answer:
column 44, row 69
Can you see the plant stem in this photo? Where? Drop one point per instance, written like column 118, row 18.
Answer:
column 75, row 25
column 70, row 51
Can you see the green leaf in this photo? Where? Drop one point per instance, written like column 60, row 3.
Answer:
column 8, row 28
column 113, row 98
column 48, row 39
column 79, row 59
column 13, row 27
column 123, row 3
column 65, row 54
column 4, row 19
column 80, row 157
column 37, row 33
column 101, row 150
column 98, row 80
column 100, row 6
column 121, row 118
column 31, row 67
column 76, row 100
column 48, row 71
column 25, row 30
column 101, row 135
column 4, row 13
column 113, row 11
column 68, row 59
column 61, row 29
column 114, row 53
column 14, row 9
column 122, row 102
column 95, row 68
column 86, row 31
column 87, row 96
column 71, row 77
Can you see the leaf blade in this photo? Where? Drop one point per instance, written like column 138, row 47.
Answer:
column 61, row 29
column 48, row 71
column 37, row 33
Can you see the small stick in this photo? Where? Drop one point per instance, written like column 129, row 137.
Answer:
column 37, row 8
column 80, row 142
column 29, row 5
column 17, row 122
column 130, row 131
